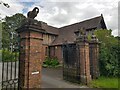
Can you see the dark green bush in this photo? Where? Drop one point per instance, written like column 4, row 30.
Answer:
column 8, row 56
column 51, row 62
column 108, row 58
column 109, row 53
column 47, row 61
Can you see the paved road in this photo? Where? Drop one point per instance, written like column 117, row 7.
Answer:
column 51, row 78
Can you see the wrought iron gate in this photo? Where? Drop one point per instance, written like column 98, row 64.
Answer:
column 71, row 64
column 10, row 64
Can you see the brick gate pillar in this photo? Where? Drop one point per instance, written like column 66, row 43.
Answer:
column 94, row 52
column 30, row 54
column 83, row 46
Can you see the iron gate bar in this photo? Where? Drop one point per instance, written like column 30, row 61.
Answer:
column 78, row 62
column 7, row 74
column 11, row 71
column 18, row 44
column 2, row 70
column 15, row 71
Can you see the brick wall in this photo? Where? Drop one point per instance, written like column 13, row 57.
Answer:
column 85, row 76
column 56, row 51
column 94, row 63
column 30, row 60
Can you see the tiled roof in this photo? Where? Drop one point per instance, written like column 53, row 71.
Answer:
column 66, row 33
column 50, row 29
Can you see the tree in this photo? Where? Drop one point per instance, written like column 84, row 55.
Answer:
column 108, row 57
column 106, row 37
column 10, row 24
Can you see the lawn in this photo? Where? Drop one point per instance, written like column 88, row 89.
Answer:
column 104, row 82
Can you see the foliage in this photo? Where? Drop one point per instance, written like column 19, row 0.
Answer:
column 109, row 61
column 104, row 82
column 106, row 37
column 9, row 26
column 51, row 62
column 15, row 21
column 5, row 37
column 109, row 50
column 89, row 37
column 8, row 56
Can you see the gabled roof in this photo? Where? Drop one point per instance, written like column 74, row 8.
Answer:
column 67, row 33
column 87, row 24
column 49, row 29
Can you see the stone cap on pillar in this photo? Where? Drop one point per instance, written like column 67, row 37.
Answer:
column 94, row 39
column 82, row 36
column 30, row 25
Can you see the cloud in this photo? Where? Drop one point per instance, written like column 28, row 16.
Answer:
column 58, row 13
column 64, row 12
column 15, row 7
column 115, row 32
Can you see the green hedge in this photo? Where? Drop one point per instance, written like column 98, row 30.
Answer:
column 8, row 56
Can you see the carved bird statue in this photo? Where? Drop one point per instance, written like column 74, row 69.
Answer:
column 32, row 14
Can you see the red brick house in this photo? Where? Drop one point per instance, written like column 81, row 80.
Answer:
column 54, row 37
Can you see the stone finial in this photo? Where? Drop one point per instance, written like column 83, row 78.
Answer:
column 82, row 35
column 32, row 14
column 94, row 38
column 82, row 31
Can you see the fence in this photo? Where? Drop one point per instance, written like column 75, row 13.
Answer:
column 10, row 66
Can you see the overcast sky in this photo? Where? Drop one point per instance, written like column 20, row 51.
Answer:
column 59, row 13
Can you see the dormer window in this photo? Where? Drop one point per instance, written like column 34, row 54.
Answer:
column 77, row 33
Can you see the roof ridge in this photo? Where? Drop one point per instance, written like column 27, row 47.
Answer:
column 83, row 21
column 48, row 24
column 52, row 26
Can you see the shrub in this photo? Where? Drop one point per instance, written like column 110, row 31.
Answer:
column 47, row 61
column 9, row 56
column 50, row 62
column 109, row 51
column 108, row 60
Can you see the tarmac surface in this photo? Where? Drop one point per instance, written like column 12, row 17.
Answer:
column 51, row 78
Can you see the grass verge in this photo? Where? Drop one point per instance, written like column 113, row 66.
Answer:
column 104, row 82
